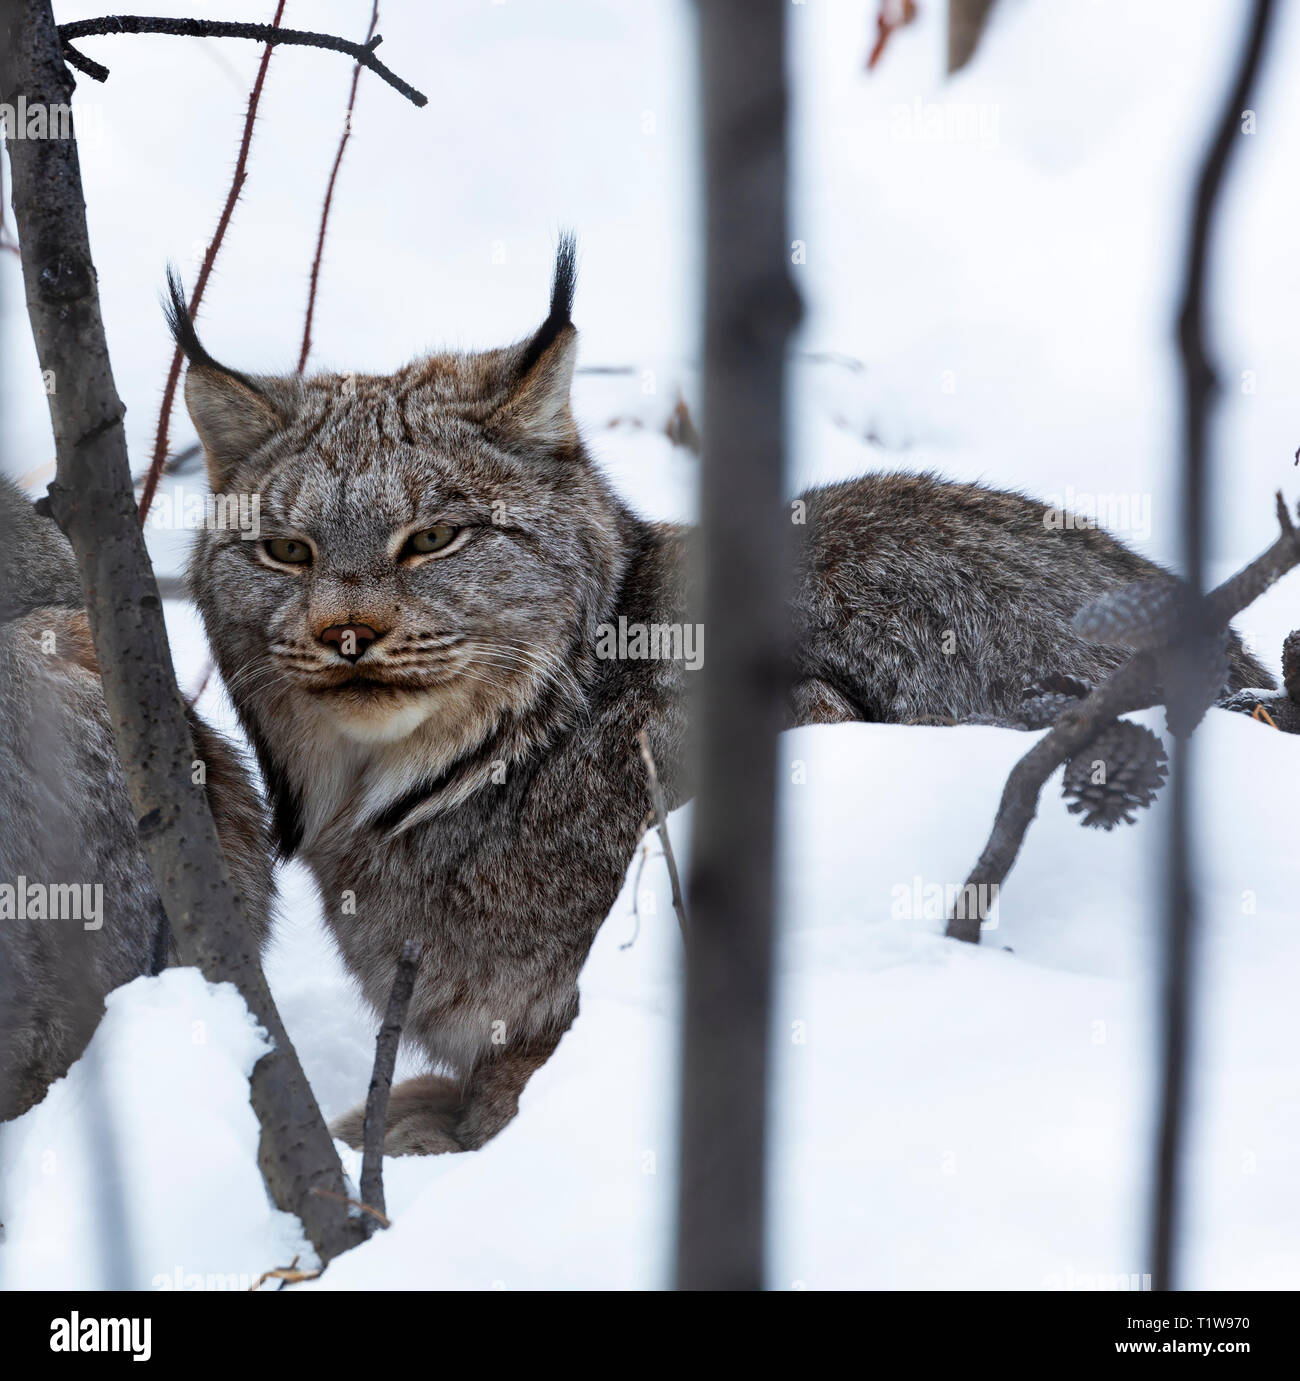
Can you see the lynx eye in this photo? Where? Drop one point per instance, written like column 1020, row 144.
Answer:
column 433, row 538
column 288, row 550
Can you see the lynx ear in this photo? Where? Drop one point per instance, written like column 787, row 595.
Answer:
column 537, row 409
column 231, row 413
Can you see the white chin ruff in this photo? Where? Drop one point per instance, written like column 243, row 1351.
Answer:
column 376, row 725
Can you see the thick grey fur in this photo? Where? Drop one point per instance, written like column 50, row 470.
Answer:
column 65, row 818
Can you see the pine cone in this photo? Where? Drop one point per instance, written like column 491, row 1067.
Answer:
column 1043, row 710
column 1144, row 615
column 1043, row 703
column 1057, row 683
column 1243, row 701
column 1130, row 760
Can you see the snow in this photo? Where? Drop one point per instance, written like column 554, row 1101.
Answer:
column 996, row 304
column 152, row 1125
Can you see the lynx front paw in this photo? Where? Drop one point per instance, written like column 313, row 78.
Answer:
column 424, row 1132
column 421, row 1136
column 422, row 1118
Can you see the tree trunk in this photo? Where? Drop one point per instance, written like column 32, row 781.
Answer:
column 750, row 308
column 966, row 20
column 92, row 501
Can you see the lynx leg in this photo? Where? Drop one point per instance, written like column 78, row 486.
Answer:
column 493, row 1097
column 431, row 1115
column 814, row 701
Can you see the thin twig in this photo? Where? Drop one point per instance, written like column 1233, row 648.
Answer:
column 376, row 1213
column 891, row 16
column 329, row 199
column 286, row 1275
column 364, row 53
column 643, row 852
column 159, row 458
column 661, row 822
column 375, row 1126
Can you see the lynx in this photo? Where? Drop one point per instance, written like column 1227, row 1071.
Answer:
column 413, row 651
column 66, row 822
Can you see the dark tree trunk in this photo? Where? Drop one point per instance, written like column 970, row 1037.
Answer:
column 750, row 308
column 966, row 20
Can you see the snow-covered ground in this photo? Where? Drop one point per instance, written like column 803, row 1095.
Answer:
column 991, row 267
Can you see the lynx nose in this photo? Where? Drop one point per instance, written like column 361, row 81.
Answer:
column 352, row 639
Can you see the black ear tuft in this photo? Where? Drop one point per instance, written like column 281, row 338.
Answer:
column 562, row 286
column 181, row 325
column 177, row 312
column 566, row 277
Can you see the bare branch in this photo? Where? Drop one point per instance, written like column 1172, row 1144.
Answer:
column 364, row 53
column 1243, row 589
column 1135, row 686
column 661, row 823
column 643, row 853
column 381, row 1081
column 286, row 1275
column 1131, row 688
column 890, row 16
column 329, row 200
column 159, row 460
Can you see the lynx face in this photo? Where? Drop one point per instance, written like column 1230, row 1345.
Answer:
column 397, row 581
column 435, row 550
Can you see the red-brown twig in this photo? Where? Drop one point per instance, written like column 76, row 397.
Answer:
column 892, row 15
column 329, row 199
column 377, row 1214
column 159, row 458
